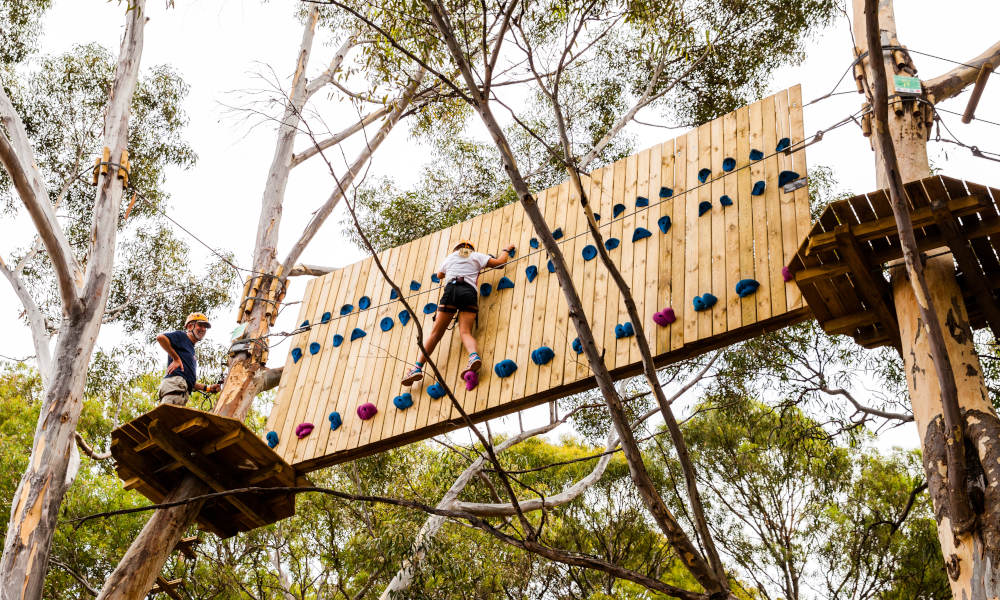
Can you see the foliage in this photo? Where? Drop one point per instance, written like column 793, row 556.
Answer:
column 20, row 19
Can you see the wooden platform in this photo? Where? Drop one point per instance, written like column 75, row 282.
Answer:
column 841, row 267
column 154, row 452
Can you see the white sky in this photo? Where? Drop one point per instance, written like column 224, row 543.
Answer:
column 219, row 47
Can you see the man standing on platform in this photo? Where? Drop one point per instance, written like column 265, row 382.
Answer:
column 182, row 368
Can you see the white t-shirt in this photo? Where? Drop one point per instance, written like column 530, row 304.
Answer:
column 466, row 268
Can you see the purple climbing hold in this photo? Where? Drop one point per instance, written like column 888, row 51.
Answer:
column 303, row 429
column 786, row 274
column 367, row 411
column 664, row 317
column 471, row 380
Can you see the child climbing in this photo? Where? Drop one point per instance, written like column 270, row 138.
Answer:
column 460, row 270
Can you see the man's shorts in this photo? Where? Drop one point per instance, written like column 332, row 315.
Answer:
column 459, row 296
column 173, row 390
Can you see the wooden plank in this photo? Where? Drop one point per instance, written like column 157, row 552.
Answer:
column 759, row 208
column 664, row 257
column 786, row 200
column 555, row 318
column 576, row 221
column 534, row 319
column 615, row 308
column 623, row 349
column 801, row 195
column 873, row 288
column 734, row 309
column 680, row 293
column 507, row 337
column 522, row 320
column 718, row 243
column 692, row 284
column 743, row 203
column 603, row 200
column 705, row 318
column 773, row 212
column 652, row 270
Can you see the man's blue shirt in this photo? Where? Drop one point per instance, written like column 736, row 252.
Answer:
column 185, row 350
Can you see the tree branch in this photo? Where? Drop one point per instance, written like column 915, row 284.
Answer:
column 86, row 449
column 40, row 337
column 865, row 409
column 954, row 81
column 327, row 76
column 79, row 578
column 336, row 138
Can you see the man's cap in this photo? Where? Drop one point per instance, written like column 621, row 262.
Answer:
column 464, row 243
column 195, row 317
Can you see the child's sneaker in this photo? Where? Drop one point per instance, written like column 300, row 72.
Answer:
column 413, row 376
column 474, row 362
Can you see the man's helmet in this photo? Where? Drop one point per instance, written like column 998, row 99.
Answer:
column 196, row 317
column 464, row 243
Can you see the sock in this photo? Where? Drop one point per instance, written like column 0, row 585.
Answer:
column 420, row 364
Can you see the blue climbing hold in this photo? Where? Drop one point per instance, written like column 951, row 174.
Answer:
column 386, row 323
column 338, row 340
column 512, row 253
column 485, row 290
column 623, row 330
column 666, row 192
column 272, row 439
column 435, row 278
column 533, row 242
column 357, row 334
column 589, row 252
column 704, row 302
column 704, row 174
column 404, row 317
column 296, row 354
column 664, row 223
column 756, row 155
column 616, row 210
column 393, row 295
column 335, row 420
column 640, row 233
column 305, row 323
column 314, row 348
column 557, row 233
column 597, row 216
column 641, row 201
column 414, row 286
column 783, row 144
column 611, row 243
column 325, row 318
column 786, row 177
column 745, row 287
column 550, row 266
column 505, row 368
column 728, row 164
column 758, row 188
column 346, row 309
column 531, row 272
column 364, row 303
column 542, row 355
column 435, row 390
column 703, row 207
column 725, row 200
column 403, row 401
column 577, row 346
column 505, row 283
column 429, row 308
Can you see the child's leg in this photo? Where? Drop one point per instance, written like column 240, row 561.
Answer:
column 465, row 322
column 441, row 322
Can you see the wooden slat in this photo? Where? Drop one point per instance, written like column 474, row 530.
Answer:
column 705, row 318
column 625, row 346
column 734, row 310
column 743, row 202
column 652, row 267
column 681, row 294
column 758, row 207
column 773, row 212
column 719, row 214
column 664, row 258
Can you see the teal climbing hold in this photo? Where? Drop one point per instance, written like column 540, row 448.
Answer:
column 728, row 164
column 435, row 390
column 550, row 266
column 533, row 242
column 335, row 420
column 429, row 308
column 531, row 272
column 704, row 302
column 403, row 401
column 364, row 302
column 404, row 317
column 338, row 340
column 577, row 346
column 386, row 323
column 357, row 334
column 786, row 177
column 783, row 144
column 704, row 174
column 393, row 295
column 758, row 188
column 272, row 439
column 485, row 290
column 296, row 354
column 640, row 233
column 756, row 155
column 513, row 252
column 305, row 323
column 616, row 210
column 505, row 283
column 624, row 330
column 325, row 318
column 703, row 207
column 664, row 223
column 641, row 201
column 542, row 355
column 745, row 287
column 557, row 233
column 414, row 286
column 611, row 243
column 597, row 216
column 346, row 309
column 666, row 192
column 505, row 368
column 314, row 348
column 725, row 200
column 435, row 278
column 589, row 252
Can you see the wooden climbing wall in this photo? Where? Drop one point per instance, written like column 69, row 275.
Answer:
column 754, row 238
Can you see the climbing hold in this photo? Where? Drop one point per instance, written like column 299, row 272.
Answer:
column 435, row 390
column 664, row 223
column 725, row 200
column 597, row 216
column 471, row 380
column 272, row 439
column 414, row 285
column 704, row 302
column 786, row 177
column 756, row 155
column 533, row 242
column 435, row 278
column 303, row 429
column 640, row 233
column 623, row 330
column 758, row 188
column 429, row 308
column 357, row 334
column 367, row 411
column 505, row 283
column 325, row 318
column 786, row 274
column 728, row 164
column 783, row 144
column 531, row 272
column 745, row 287
column 589, row 252
column 485, row 290
column 577, row 345
column 386, row 323
column 314, row 348
column 338, row 340
column 305, row 323
column 393, row 295
column 664, row 317
column 557, row 233
column 346, row 309
column 703, row 207
column 616, row 210
column 404, row 317
column 641, row 201
column 666, row 192
column 505, row 368
column 403, row 401
column 551, row 267
column 335, row 420
column 542, row 355
column 364, row 302
column 512, row 253
column 704, row 174
column 296, row 354
column 611, row 243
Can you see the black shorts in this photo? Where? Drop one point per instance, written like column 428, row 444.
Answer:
column 459, row 296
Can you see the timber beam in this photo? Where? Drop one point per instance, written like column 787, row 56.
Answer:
column 169, row 588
